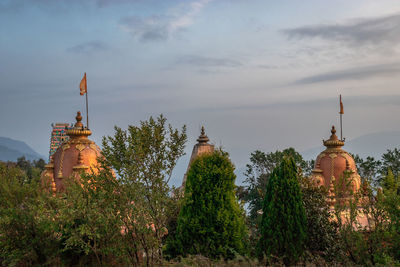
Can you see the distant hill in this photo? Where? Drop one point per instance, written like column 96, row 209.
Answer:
column 11, row 150
column 374, row 144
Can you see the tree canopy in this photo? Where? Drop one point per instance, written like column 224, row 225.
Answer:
column 211, row 221
column 283, row 223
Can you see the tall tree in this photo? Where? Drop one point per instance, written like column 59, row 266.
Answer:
column 368, row 168
column 211, row 221
column 143, row 158
column 390, row 159
column 391, row 196
column 257, row 175
column 283, row 223
column 322, row 238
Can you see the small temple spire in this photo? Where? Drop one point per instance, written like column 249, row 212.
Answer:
column 202, row 147
column 78, row 120
column 203, row 138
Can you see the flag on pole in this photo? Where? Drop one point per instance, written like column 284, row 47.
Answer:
column 83, row 85
column 341, row 105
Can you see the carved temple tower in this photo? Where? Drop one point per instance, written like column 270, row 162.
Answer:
column 202, row 147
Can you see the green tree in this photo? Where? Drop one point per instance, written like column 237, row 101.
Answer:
column 390, row 160
column 90, row 218
column 391, row 200
column 28, row 234
column 283, row 224
column 368, row 168
column 143, row 158
column 322, row 238
column 211, row 221
column 257, row 175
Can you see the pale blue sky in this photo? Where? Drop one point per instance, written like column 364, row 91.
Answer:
column 258, row 74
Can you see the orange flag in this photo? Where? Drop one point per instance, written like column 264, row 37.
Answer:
column 341, row 106
column 83, row 85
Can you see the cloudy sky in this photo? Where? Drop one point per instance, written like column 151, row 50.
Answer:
column 257, row 74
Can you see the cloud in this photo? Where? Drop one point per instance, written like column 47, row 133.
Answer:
column 201, row 61
column 88, row 47
column 162, row 27
column 56, row 6
column 353, row 74
column 371, row 31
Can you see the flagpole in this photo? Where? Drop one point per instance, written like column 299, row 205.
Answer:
column 341, row 128
column 87, row 108
column 341, row 114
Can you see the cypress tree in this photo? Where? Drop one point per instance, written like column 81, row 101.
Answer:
column 211, row 221
column 283, row 223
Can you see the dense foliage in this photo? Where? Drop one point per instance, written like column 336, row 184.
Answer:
column 211, row 221
column 257, row 174
column 283, row 223
column 127, row 214
column 322, row 231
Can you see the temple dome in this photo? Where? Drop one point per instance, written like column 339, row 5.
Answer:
column 333, row 164
column 77, row 155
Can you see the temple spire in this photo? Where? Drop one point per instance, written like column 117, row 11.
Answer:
column 333, row 141
column 203, row 138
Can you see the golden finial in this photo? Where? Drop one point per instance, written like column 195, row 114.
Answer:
column 333, row 131
column 78, row 130
column 78, row 120
column 333, row 140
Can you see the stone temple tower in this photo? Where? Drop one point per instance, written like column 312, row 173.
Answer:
column 202, row 147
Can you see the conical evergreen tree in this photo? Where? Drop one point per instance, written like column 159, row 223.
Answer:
column 389, row 181
column 283, row 224
column 211, row 221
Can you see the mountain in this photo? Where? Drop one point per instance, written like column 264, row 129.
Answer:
column 374, row 144
column 11, row 150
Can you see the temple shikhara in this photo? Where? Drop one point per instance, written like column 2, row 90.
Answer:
column 202, row 147
column 74, row 156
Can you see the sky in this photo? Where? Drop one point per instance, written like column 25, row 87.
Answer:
column 257, row 74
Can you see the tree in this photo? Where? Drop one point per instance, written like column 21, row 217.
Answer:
column 28, row 234
column 31, row 169
column 283, row 223
column 90, row 218
column 368, row 168
column 257, row 175
column 390, row 159
column 391, row 200
column 211, row 221
column 322, row 238
column 143, row 158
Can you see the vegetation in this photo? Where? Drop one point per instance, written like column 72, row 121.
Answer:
column 211, row 222
column 128, row 215
column 257, row 175
column 283, row 223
